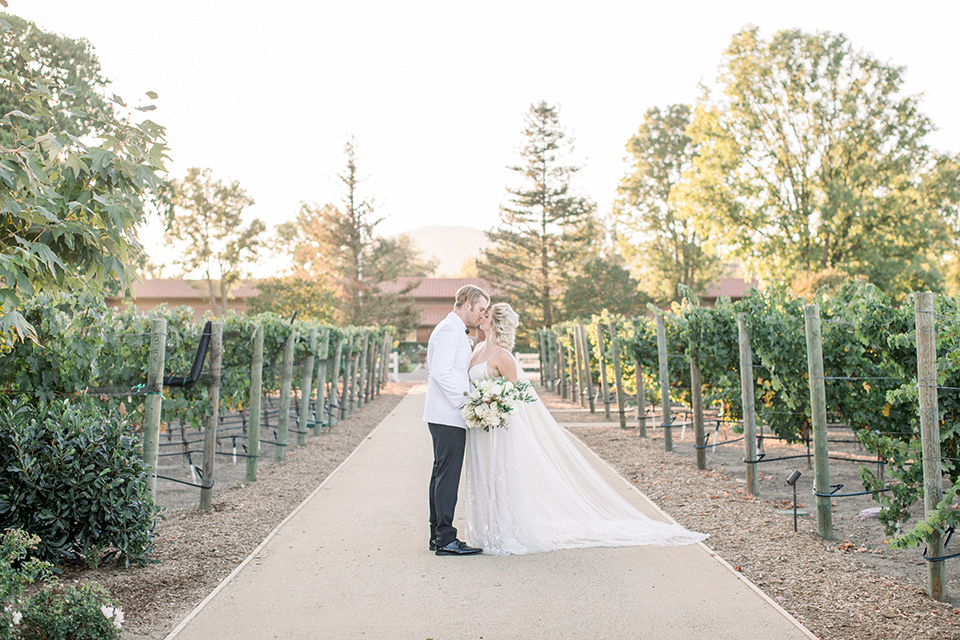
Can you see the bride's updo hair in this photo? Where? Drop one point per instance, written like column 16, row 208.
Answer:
column 504, row 322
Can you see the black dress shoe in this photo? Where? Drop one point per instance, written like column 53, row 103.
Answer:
column 457, row 548
column 433, row 544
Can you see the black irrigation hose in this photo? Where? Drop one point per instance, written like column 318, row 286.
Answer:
column 719, row 444
column 837, row 487
column 842, row 459
column 235, row 455
column 189, row 484
column 762, row 458
column 676, row 424
column 945, row 543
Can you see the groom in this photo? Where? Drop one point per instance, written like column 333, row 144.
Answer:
column 448, row 364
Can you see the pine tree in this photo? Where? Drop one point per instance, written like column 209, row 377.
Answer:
column 339, row 247
column 546, row 230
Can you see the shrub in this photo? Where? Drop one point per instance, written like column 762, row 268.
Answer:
column 76, row 478
column 71, row 612
column 16, row 571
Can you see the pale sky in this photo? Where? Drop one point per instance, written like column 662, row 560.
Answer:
column 434, row 92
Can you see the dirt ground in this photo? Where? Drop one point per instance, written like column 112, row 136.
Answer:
column 852, row 587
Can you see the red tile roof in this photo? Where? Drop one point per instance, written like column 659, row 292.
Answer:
column 178, row 288
column 734, row 288
column 438, row 287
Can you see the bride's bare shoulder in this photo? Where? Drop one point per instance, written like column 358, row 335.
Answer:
column 505, row 364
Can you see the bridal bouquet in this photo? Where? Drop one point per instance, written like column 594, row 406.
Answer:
column 491, row 401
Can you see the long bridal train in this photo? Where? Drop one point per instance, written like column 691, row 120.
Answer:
column 529, row 490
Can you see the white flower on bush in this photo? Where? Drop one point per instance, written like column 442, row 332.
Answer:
column 17, row 617
column 115, row 614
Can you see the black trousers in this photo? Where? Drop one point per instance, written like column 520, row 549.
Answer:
column 448, row 446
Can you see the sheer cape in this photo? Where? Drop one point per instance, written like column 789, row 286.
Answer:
column 529, row 490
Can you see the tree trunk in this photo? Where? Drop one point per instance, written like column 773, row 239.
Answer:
column 211, row 292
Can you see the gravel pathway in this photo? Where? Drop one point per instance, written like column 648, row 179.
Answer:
column 854, row 587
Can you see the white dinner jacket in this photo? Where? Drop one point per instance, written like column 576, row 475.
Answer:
column 448, row 376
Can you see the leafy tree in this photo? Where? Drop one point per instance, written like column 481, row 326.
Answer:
column 340, row 248
column 603, row 283
column 657, row 235
column 205, row 221
column 70, row 207
column 546, row 230
column 811, row 160
column 309, row 298
column 66, row 70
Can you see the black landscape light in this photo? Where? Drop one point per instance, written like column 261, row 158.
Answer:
column 792, row 481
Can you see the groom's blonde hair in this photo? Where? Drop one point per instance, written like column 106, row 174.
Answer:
column 472, row 294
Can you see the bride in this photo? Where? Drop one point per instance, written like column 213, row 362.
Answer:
column 528, row 489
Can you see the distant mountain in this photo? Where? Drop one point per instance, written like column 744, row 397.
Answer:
column 452, row 246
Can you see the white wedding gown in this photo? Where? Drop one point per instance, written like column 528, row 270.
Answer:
column 529, row 490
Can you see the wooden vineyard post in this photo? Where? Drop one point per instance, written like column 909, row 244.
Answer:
column 213, row 419
column 322, row 382
column 346, row 358
column 363, row 396
column 375, row 351
column 930, row 433
column 154, row 401
column 561, row 370
column 546, row 365
column 604, row 386
column 256, row 402
column 578, row 358
column 346, row 395
column 547, row 362
column 747, row 401
column 664, row 383
column 552, row 358
column 618, row 375
column 335, row 400
column 355, row 374
column 371, row 367
column 372, row 351
column 387, row 350
column 286, row 382
column 641, row 399
column 361, row 370
column 696, row 401
column 818, row 409
column 306, row 387
column 541, row 354
column 587, row 373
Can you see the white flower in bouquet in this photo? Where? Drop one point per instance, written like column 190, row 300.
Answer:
column 490, row 401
